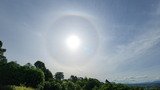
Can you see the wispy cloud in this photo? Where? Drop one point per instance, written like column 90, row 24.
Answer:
column 130, row 51
column 139, row 46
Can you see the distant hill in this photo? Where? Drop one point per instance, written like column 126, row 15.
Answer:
column 158, row 81
column 147, row 84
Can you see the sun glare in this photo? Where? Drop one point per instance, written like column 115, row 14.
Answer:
column 73, row 42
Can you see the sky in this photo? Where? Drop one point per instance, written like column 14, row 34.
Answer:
column 119, row 39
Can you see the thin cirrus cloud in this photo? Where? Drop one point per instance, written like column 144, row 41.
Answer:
column 129, row 54
column 139, row 46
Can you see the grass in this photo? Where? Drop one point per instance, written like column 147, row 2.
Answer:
column 16, row 88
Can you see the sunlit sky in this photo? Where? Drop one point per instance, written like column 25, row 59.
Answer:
column 118, row 40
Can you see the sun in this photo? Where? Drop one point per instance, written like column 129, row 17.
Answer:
column 73, row 42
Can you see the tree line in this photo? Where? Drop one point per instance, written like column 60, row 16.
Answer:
column 39, row 77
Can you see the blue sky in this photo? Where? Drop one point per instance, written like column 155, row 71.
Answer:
column 120, row 39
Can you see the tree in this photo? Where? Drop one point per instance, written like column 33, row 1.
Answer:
column 78, row 87
column 64, row 85
column 73, row 78
column 8, row 74
column 107, row 81
column 107, row 86
column 40, row 65
column 1, row 49
column 33, row 77
column 29, row 65
column 91, row 83
column 1, row 44
column 52, row 85
column 2, row 57
column 59, row 76
column 47, row 73
column 13, row 74
column 70, row 86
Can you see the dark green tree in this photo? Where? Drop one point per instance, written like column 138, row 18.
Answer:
column 28, row 65
column 14, row 74
column 8, row 74
column 40, row 65
column 52, row 85
column 70, row 85
column 59, row 76
column 91, row 83
column 33, row 77
column 48, row 75
column 47, row 72
column 2, row 57
column 78, row 87
column 73, row 78
column 107, row 81
column 106, row 86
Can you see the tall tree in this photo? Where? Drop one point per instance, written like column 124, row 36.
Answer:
column 47, row 72
column 91, row 83
column 48, row 75
column 2, row 57
column 33, row 77
column 40, row 65
column 59, row 76
column 73, row 78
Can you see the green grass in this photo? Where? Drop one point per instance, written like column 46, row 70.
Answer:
column 22, row 88
column 16, row 88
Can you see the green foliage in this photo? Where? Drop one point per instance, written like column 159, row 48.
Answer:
column 52, row 85
column 6, row 87
column 107, row 81
column 40, row 65
column 3, row 59
column 78, row 87
column 91, row 83
column 47, row 73
column 59, row 76
column 33, row 77
column 14, row 74
column 70, row 86
column 73, row 78
column 1, row 44
column 9, row 75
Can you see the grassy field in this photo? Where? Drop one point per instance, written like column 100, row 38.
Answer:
column 16, row 88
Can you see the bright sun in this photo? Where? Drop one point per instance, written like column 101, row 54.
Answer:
column 73, row 42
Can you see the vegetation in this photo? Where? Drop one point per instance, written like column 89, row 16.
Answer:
column 29, row 77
